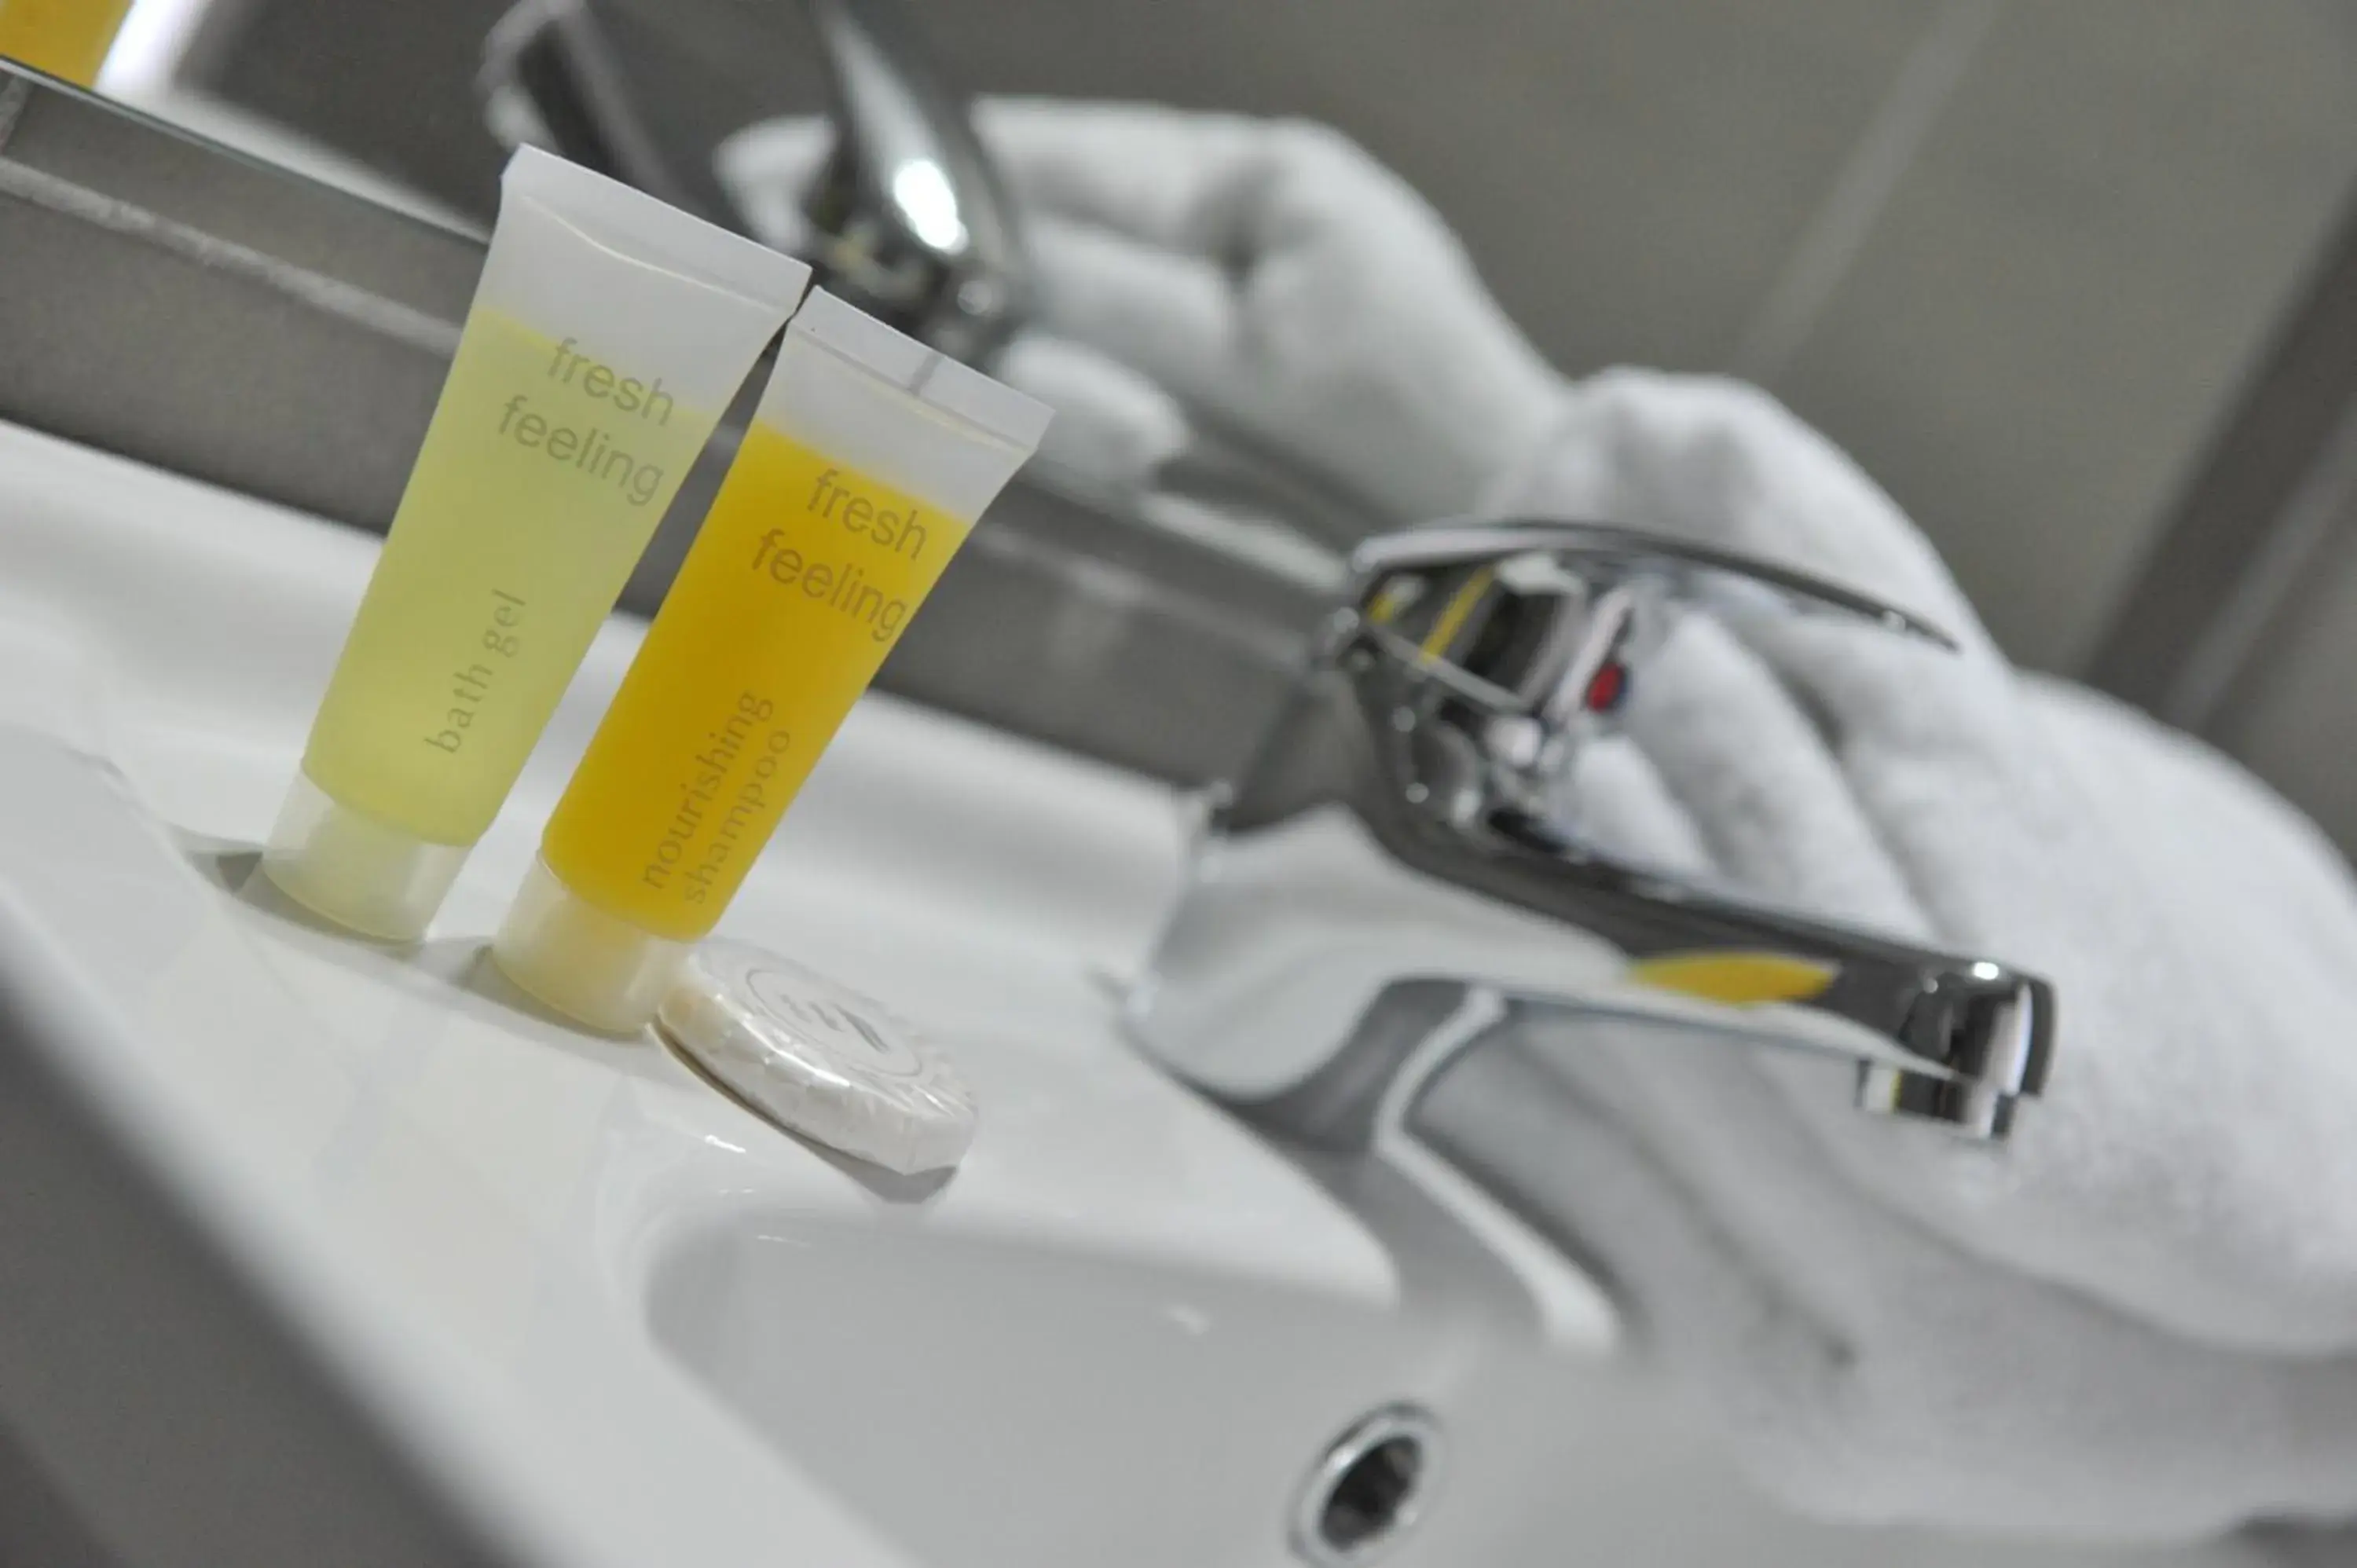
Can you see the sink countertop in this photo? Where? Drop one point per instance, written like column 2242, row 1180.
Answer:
column 428, row 1178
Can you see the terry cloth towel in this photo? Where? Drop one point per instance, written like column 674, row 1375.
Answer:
column 2137, row 1321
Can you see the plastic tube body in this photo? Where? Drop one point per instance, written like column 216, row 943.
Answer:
column 866, row 464
column 606, row 335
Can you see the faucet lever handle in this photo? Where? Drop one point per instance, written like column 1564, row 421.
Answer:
column 1505, row 644
column 1545, row 619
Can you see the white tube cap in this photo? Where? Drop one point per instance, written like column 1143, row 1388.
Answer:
column 591, row 966
column 818, row 1059
column 346, row 866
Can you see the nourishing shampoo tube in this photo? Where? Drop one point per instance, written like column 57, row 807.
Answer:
column 606, row 334
column 867, row 461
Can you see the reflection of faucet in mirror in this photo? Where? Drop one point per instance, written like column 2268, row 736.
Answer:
column 911, row 221
column 1394, row 850
column 909, row 218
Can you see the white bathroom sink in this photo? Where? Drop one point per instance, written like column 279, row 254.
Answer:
column 562, row 1300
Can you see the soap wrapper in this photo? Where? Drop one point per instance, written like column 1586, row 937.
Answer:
column 818, row 1059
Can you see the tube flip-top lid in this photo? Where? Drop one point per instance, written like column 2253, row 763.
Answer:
column 627, row 219
column 927, row 374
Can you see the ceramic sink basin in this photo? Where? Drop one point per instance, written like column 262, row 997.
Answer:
column 316, row 1251
column 1043, row 1405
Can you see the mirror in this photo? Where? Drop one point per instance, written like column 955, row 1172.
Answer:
column 2046, row 273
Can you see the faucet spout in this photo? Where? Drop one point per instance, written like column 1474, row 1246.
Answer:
column 1936, row 1036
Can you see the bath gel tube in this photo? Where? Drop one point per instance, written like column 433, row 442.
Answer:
column 606, row 334
column 866, row 463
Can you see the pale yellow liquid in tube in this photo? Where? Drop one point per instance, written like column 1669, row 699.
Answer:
column 540, row 482
column 800, row 581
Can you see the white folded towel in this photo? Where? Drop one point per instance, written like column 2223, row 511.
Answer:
column 2138, row 1320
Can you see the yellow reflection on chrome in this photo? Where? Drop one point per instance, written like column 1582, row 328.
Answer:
column 1736, row 978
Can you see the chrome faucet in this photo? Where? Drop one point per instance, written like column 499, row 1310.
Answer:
column 1392, row 851
column 910, row 220
column 908, row 217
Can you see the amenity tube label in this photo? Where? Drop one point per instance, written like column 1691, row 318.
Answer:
column 606, row 334
column 866, row 464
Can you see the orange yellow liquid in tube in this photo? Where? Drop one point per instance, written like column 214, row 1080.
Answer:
column 865, row 466
column 728, row 708
column 67, row 38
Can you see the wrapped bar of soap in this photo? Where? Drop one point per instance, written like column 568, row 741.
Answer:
column 818, row 1059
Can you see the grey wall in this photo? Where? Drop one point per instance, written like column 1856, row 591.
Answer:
column 2294, row 717
column 2070, row 284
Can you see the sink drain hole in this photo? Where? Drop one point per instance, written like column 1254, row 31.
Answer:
column 1365, row 1503
column 1369, row 1488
